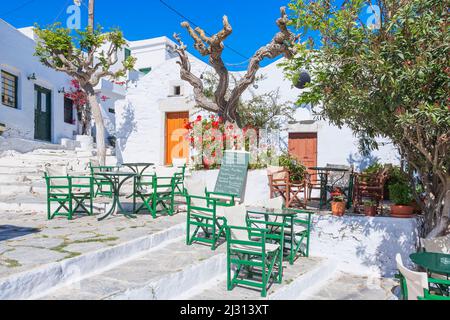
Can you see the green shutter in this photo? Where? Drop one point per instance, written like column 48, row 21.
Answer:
column 145, row 70
column 127, row 53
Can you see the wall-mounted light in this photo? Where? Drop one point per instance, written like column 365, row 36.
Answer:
column 62, row 90
column 32, row 76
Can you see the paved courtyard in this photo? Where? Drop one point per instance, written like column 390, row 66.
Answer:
column 28, row 239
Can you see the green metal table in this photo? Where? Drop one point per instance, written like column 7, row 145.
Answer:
column 323, row 173
column 287, row 214
column 139, row 168
column 433, row 262
column 117, row 180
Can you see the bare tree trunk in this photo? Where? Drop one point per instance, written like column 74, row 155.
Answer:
column 443, row 222
column 91, row 14
column 99, row 124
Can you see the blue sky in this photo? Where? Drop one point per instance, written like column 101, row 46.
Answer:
column 253, row 21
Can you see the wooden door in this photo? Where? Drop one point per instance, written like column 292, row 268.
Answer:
column 42, row 114
column 176, row 144
column 303, row 146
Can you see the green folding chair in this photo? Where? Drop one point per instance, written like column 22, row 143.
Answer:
column 103, row 186
column 204, row 220
column 72, row 195
column 258, row 262
column 297, row 230
column 144, row 191
column 164, row 184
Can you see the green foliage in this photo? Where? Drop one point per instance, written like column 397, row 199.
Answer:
column 392, row 82
column 397, row 175
column 296, row 169
column 374, row 168
column 400, row 194
column 70, row 51
column 261, row 110
column 369, row 203
column 338, row 199
column 376, row 82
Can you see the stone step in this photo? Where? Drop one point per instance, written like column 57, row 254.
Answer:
column 44, row 280
column 305, row 272
column 162, row 273
column 16, row 178
column 14, row 169
column 178, row 271
column 346, row 286
column 10, row 189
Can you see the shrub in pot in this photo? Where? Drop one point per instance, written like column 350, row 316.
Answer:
column 296, row 169
column 370, row 208
column 338, row 206
column 401, row 195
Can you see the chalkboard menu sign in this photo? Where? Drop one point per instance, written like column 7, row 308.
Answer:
column 233, row 173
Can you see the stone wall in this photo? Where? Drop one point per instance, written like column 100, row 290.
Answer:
column 365, row 245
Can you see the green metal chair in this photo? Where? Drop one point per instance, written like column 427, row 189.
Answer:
column 70, row 193
column 180, row 164
column 416, row 285
column 301, row 224
column 164, row 184
column 144, row 191
column 258, row 263
column 103, row 186
column 205, row 222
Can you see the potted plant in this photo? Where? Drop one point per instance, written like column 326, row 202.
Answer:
column 296, row 170
column 401, row 195
column 338, row 206
column 337, row 192
column 370, row 208
column 2, row 128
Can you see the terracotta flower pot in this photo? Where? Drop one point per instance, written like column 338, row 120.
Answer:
column 370, row 211
column 402, row 211
column 338, row 208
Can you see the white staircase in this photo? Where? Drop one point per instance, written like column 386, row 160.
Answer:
column 22, row 186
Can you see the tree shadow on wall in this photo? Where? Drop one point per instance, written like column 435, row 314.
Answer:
column 398, row 236
column 361, row 162
column 128, row 126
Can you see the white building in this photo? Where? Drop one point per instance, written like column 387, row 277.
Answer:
column 145, row 110
column 161, row 102
column 33, row 103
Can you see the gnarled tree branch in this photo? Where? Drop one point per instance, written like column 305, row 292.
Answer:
column 212, row 46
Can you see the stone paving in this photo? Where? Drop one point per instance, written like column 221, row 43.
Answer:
column 345, row 286
column 28, row 239
column 161, row 273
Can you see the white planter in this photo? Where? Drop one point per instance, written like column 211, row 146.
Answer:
column 85, row 143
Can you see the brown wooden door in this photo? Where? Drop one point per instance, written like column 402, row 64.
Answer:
column 303, row 146
column 176, row 144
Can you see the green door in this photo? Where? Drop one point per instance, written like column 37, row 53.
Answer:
column 42, row 114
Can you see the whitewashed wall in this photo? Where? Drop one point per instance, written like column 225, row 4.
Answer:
column 151, row 53
column 140, row 118
column 16, row 57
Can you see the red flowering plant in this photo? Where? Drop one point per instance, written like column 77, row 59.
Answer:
column 207, row 136
column 80, row 102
